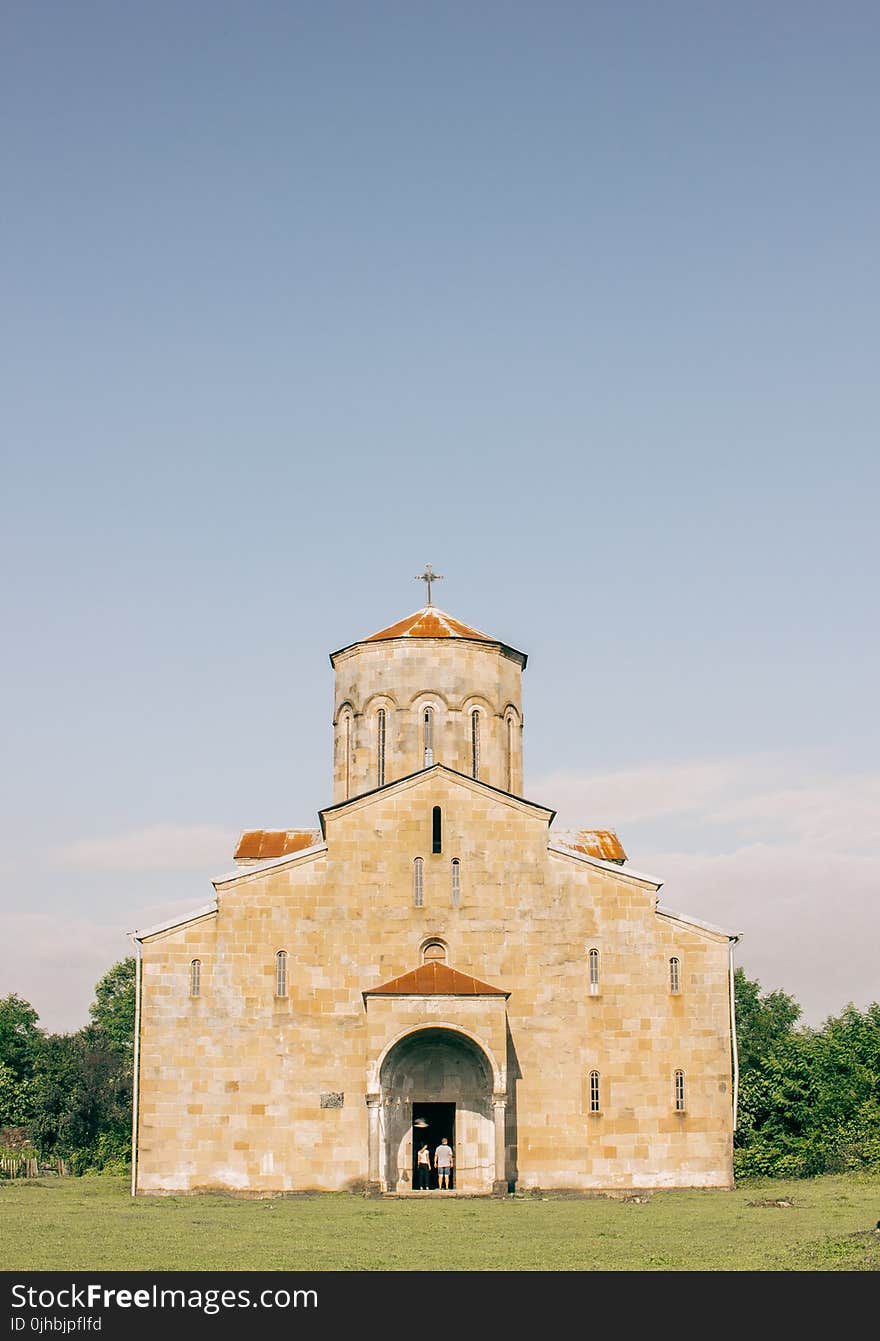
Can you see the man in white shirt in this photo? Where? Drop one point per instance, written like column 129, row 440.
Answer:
column 443, row 1163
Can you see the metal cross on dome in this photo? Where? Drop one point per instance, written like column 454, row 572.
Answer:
column 429, row 576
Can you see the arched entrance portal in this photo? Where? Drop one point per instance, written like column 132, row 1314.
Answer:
column 443, row 1078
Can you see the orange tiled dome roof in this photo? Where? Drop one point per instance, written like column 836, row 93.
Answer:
column 429, row 622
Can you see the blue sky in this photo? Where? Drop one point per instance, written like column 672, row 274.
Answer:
column 579, row 302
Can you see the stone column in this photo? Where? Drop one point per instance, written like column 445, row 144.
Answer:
column 374, row 1187
column 499, row 1104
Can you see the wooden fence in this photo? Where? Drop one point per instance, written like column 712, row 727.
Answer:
column 18, row 1166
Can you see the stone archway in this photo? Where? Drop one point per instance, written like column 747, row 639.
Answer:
column 441, row 1066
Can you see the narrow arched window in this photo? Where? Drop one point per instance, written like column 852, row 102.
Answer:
column 595, row 1100
column 380, row 748
column 428, row 736
column 434, row 952
column 419, row 882
column 674, row 975
column 679, row 1092
column 436, row 830
column 510, row 754
column 195, row 978
column 346, row 747
column 281, row 973
column 475, row 744
column 456, row 882
column 594, row 972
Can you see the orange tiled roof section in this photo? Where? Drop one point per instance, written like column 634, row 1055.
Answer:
column 602, row 843
column 262, row 844
column 429, row 622
column 436, row 979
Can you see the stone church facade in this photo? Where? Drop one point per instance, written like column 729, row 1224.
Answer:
column 432, row 960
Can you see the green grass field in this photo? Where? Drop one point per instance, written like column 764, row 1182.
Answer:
column 92, row 1223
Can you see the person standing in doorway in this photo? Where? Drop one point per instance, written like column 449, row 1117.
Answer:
column 443, row 1163
column 423, row 1168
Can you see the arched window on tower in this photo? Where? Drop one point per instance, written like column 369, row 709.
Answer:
column 281, row 973
column 674, row 975
column 346, row 754
column 419, row 882
column 475, row 743
column 456, row 882
column 428, row 736
column 380, row 748
column 195, row 977
column 510, row 737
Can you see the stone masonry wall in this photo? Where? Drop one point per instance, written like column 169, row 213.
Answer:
column 405, row 675
column 249, row 1092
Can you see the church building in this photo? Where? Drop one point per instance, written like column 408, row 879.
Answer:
column 433, row 960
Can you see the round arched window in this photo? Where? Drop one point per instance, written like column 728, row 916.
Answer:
column 433, row 952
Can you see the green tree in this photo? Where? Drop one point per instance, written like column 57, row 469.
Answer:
column 20, row 1036
column 21, row 1041
column 809, row 1099
column 83, row 1093
column 16, row 1099
column 112, row 1010
column 762, row 1021
column 847, row 1069
column 73, row 1091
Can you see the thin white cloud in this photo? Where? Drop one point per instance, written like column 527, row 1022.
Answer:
column 843, row 816
column 56, row 964
column 609, row 799
column 809, row 921
column 160, row 848
column 770, row 846
column 770, row 798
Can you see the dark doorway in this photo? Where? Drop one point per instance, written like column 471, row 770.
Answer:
column 440, row 1122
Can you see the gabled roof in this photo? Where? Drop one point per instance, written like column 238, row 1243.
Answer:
column 261, row 844
column 435, row 979
column 207, row 910
column 249, row 870
column 699, row 923
column 429, row 622
column 465, row 778
column 619, row 871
